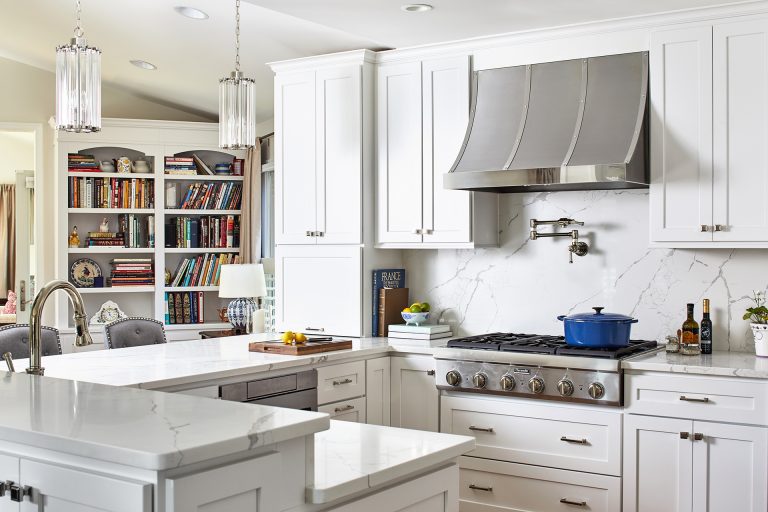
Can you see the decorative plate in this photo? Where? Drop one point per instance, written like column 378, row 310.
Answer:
column 83, row 271
column 108, row 312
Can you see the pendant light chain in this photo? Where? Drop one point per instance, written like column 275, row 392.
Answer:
column 78, row 26
column 237, row 35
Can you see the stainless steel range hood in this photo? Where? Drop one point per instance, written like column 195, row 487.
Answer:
column 569, row 125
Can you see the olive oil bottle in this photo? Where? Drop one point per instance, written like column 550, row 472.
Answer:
column 706, row 330
column 689, row 342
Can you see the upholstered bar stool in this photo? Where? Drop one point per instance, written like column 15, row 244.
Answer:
column 15, row 339
column 134, row 332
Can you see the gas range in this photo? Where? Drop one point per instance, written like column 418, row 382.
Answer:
column 535, row 366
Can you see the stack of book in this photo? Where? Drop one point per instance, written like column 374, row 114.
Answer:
column 180, row 165
column 420, row 332
column 203, row 232
column 111, row 193
column 213, row 196
column 132, row 272
column 82, row 163
column 202, row 270
column 105, row 239
column 384, row 278
column 184, row 308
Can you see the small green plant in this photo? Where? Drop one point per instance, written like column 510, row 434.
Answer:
column 757, row 314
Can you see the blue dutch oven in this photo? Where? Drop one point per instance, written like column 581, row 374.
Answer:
column 598, row 329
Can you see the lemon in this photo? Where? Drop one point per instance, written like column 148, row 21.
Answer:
column 425, row 307
column 288, row 337
column 300, row 337
column 415, row 308
column 406, row 310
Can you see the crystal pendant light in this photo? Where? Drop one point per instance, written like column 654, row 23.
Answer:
column 237, row 103
column 78, row 84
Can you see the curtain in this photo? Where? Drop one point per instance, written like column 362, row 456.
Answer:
column 250, row 220
column 7, row 238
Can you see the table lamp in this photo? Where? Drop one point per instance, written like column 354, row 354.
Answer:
column 242, row 282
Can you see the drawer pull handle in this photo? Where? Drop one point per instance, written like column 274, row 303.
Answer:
column 481, row 429
column 685, row 435
column 698, row 436
column 480, row 488
column 341, row 382
column 574, row 503
column 574, row 441
column 431, row 372
column 318, row 329
column 704, row 400
column 345, row 408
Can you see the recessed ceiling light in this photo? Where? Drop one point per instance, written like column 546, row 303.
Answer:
column 191, row 12
column 143, row 64
column 416, row 7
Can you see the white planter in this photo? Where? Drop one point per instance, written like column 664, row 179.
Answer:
column 760, row 332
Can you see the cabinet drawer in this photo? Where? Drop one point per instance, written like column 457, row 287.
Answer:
column 346, row 410
column 562, row 437
column 340, row 382
column 699, row 398
column 489, row 485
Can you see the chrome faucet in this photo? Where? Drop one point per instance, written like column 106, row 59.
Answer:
column 35, row 321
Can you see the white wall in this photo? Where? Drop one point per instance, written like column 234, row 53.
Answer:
column 17, row 153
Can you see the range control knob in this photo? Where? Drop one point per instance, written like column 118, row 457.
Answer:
column 479, row 380
column 453, row 378
column 507, row 383
column 596, row 390
column 536, row 384
column 565, row 387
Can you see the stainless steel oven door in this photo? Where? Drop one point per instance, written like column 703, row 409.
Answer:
column 295, row 391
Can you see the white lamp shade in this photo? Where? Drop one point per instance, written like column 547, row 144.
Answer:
column 245, row 280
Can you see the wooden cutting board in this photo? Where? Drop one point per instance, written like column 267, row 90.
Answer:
column 310, row 347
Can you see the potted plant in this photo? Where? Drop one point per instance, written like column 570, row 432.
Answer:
column 758, row 316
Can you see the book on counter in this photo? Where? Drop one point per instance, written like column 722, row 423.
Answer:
column 384, row 278
column 391, row 302
column 418, row 336
column 420, row 329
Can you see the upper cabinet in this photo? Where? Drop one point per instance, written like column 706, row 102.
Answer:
column 319, row 153
column 422, row 112
column 709, row 167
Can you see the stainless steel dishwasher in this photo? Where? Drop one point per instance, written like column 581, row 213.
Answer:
column 294, row 391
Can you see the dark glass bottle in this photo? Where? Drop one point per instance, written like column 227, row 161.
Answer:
column 689, row 344
column 706, row 330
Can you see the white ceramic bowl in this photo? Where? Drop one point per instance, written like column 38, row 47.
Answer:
column 415, row 318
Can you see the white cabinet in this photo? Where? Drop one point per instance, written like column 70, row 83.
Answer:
column 422, row 115
column 340, row 382
column 318, row 289
column 709, row 118
column 377, row 391
column 60, row 489
column 319, row 155
column 9, row 471
column 252, row 485
column 346, row 410
column 415, row 399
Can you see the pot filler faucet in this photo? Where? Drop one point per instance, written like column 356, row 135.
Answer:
column 576, row 246
column 35, row 321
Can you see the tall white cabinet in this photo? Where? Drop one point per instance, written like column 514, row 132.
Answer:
column 422, row 112
column 709, row 121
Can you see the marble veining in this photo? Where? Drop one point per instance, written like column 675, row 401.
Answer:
column 101, row 422
column 728, row 364
column 523, row 285
column 351, row 457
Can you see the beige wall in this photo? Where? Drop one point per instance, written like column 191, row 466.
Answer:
column 17, row 153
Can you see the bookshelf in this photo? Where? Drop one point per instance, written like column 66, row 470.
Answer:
column 152, row 141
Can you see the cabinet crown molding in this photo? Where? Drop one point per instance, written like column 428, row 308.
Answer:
column 323, row 61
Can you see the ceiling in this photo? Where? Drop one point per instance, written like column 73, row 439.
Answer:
column 192, row 55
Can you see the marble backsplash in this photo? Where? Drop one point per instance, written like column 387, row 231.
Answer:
column 524, row 284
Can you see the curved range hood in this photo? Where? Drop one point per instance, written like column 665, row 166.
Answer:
column 569, row 125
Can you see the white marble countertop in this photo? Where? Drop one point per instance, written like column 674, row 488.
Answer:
column 186, row 362
column 729, row 364
column 353, row 457
column 102, row 422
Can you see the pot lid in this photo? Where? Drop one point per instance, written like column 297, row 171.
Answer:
column 598, row 316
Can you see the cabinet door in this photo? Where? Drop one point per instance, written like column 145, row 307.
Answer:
column 319, row 289
column 447, row 213
column 681, row 135
column 730, row 468
column 399, row 192
column 657, row 464
column 252, row 485
column 295, row 186
column 9, row 470
column 740, row 100
column 346, row 410
column 415, row 398
column 377, row 390
column 339, row 155
column 58, row 489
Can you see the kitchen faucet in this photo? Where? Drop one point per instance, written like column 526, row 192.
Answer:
column 35, row 321
column 576, row 246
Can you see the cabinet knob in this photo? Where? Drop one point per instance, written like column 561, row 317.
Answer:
column 698, row 436
column 705, row 228
column 309, row 233
column 430, row 372
column 19, row 491
column 418, row 231
column 427, row 231
column 719, row 227
column 684, row 435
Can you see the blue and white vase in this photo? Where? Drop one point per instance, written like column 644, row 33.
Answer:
column 239, row 313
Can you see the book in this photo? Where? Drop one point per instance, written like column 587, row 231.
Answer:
column 201, row 165
column 389, row 278
column 419, row 336
column 420, row 329
column 391, row 302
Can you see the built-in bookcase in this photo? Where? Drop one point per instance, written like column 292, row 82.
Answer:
column 152, row 141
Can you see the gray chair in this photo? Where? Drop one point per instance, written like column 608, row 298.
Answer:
column 133, row 332
column 15, row 339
